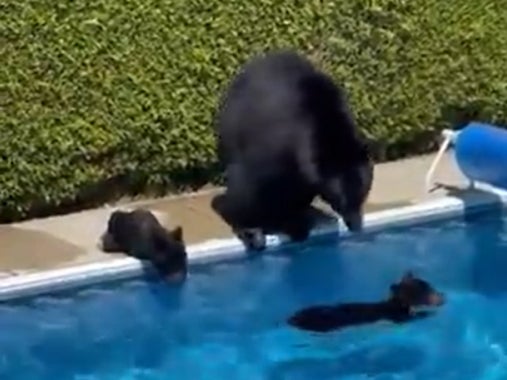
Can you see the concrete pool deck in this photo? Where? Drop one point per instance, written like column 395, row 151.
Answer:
column 65, row 241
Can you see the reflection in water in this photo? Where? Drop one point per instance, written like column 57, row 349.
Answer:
column 370, row 361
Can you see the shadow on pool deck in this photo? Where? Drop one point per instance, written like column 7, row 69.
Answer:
column 62, row 241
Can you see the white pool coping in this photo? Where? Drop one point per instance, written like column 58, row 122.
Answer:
column 32, row 284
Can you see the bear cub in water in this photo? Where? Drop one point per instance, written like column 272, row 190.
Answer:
column 139, row 234
column 410, row 293
column 285, row 135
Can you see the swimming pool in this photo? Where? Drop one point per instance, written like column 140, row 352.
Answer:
column 227, row 322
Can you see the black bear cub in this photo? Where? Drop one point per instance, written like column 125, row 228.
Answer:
column 139, row 234
column 286, row 135
column 401, row 306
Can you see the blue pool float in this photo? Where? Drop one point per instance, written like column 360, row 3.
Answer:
column 480, row 151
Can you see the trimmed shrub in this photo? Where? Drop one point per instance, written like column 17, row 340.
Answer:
column 123, row 91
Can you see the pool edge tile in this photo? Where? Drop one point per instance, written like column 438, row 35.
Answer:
column 30, row 284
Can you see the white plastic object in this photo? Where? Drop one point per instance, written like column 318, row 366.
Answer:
column 449, row 137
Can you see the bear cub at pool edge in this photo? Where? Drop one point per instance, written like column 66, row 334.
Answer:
column 285, row 135
column 139, row 234
column 401, row 306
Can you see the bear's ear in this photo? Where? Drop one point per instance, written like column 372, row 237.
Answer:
column 408, row 276
column 177, row 234
column 394, row 288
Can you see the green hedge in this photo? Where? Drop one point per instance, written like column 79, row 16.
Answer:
column 121, row 93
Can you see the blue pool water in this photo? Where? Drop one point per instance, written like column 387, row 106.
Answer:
column 227, row 322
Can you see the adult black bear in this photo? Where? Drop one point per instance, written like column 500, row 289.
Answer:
column 285, row 134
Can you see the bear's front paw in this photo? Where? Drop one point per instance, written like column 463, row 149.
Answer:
column 253, row 239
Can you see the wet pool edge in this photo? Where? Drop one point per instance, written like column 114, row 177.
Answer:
column 213, row 251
